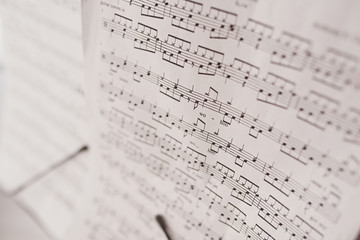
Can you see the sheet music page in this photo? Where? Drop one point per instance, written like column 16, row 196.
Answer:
column 54, row 201
column 43, row 106
column 43, row 133
column 232, row 119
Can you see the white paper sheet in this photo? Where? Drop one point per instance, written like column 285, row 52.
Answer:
column 55, row 200
column 43, row 111
column 231, row 119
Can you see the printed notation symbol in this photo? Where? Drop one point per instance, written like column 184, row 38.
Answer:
column 287, row 50
column 272, row 89
column 289, row 145
column 216, row 143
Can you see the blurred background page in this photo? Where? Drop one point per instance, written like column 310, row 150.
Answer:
column 43, row 135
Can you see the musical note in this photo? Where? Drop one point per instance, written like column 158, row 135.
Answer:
column 211, row 112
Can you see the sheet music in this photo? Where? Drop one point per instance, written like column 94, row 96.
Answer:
column 43, row 163
column 54, row 201
column 43, row 107
column 232, row 119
